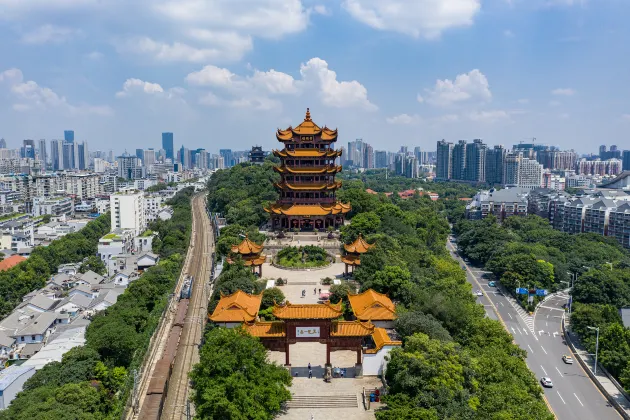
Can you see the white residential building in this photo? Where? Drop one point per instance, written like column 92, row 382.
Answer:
column 83, row 186
column 128, row 212
column 55, row 206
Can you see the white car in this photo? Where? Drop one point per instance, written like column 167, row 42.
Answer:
column 479, row 293
column 567, row 359
column 546, row 382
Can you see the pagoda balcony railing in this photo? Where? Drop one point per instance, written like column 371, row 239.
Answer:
column 313, row 183
column 328, row 166
column 329, row 200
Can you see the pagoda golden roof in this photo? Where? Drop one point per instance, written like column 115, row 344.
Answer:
column 372, row 306
column 309, row 209
column 309, row 186
column 382, row 339
column 250, row 260
column 332, row 169
column 312, row 153
column 359, row 246
column 325, row 310
column 351, row 259
column 237, row 307
column 247, row 247
column 306, row 128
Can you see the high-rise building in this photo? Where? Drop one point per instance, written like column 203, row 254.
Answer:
column 459, row 161
column 128, row 166
column 140, row 154
column 380, row 159
column 522, row 172
column 148, row 157
column 83, row 156
column 167, row 145
column 127, row 211
column 68, row 155
column 3, row 144
column 602, row 151
column 56, row 155
column 68, row 136
column 495, row 159
column 43, row 155
column 228, row 157
column 626, row 160
column 475, row 170
column 444, row 164
column 368, row 157
column 28, row 149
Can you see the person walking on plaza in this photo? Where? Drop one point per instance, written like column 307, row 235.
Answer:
column 309, row 366
column 310, row 374
column 315, row 291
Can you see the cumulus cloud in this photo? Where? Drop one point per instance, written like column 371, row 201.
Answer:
column 177, row 51
column 29, row 95
column 403, row 119
column 47, row 34
column 563, row 92
column 419, row 18
column 320, row 9
column 316, row 77
column 468, row 86
column 137, row 85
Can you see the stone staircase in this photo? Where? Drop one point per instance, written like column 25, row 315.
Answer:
column 323, row 401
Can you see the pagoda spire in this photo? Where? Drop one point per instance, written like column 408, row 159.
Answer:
column 308, row 115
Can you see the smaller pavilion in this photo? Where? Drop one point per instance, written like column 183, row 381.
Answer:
column 372, row 306
column 251, row 253
column 354, row 251
column 235, row 309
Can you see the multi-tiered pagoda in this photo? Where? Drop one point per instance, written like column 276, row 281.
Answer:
column 307, row 188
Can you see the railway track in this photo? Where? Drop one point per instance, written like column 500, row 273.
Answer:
column 176, row 405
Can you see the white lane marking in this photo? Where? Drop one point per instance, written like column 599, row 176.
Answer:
column 513, row 332
column 559, row 372
column 525, row 331
column 550, row 308
column 547, row 315
column 544, row 371
column 578, row 399
column 530, row 349
column 561, row 397
column 501, row 303
column 546, row 324
column 544, row 351
column 519, row 331
column 510, row 315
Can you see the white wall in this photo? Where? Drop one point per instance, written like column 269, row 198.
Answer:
column 373, row 363
column 11, row 391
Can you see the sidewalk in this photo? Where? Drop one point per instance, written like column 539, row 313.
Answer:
column 602, row 380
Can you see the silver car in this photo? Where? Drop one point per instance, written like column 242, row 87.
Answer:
column 546, row 382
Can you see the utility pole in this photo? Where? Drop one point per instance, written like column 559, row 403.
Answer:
column 596, row 346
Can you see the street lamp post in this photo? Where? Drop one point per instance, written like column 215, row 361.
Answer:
column 596, row 345
column 573, row 279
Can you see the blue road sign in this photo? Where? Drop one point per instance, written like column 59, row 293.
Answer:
column 521, row 291
column 541, row 292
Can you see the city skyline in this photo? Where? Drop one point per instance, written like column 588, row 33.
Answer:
column 502, row 71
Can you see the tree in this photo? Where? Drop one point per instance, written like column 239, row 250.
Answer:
column 93, row 263
column 271, row 296
column 233, row 379
column 412, row 322
column 339, row 292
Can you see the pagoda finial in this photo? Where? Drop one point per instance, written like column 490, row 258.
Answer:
column 308, row 115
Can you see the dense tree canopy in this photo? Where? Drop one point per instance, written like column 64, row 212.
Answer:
column 234, row 381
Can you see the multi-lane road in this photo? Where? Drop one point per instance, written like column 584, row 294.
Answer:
column 573, row 395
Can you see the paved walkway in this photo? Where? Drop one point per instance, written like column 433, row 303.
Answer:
column 304, row 353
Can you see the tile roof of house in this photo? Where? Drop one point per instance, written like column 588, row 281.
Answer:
column 5, row 340
column 326, row 310
column 11, row 262
column 351, row 328
column 11, row 374
column 359, row 246
column 237, row 307
column 373, row 306
column 42, row 302
column 247, row 246
column 38, row 325
column 266, row 329
column 91, row 277
column 381, row 339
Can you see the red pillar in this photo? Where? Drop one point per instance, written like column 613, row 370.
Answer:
column 286, row 353
column 327, row 352
column 359, row 356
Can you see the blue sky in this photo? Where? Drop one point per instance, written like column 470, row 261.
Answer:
column 227, row 73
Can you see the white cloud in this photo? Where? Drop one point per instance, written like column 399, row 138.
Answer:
column 419, row 98
column 508, row 34
column 489, row 116
column 449, row 118
column 49, row 34
column 563, row 92
column 468, row 86
column 418, row 18
column 523, row 101
column 333, row 92
column 31, row 96
column 260, row 103
column 136, row 85
column 403, row 119
column 316, row 78
column 564, row 116
column 94, row 55
column 320, row 9
column 176, row 51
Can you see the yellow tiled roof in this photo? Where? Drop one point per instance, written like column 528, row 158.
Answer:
column 351, row 329
column 359, row 246
column 308, row 311
column 306, row 127
column 373, row 306
column 266, row 329
column 237, row 307
column 247, row 247
column 351, row 259
column 381, row 339
column 309, row 186
column 309, row 210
